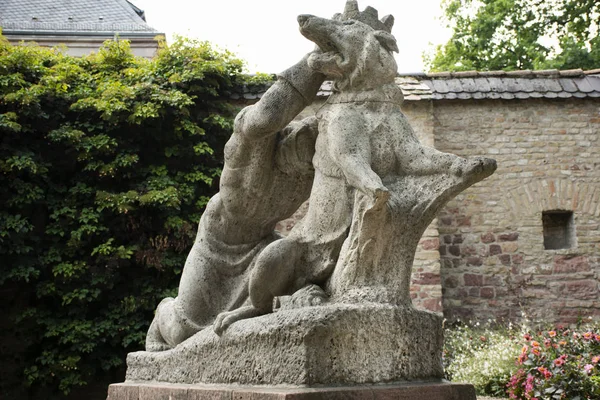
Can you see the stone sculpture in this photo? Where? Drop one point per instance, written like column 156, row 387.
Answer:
column 266, row 176
column 364, row 140
column 373, row 190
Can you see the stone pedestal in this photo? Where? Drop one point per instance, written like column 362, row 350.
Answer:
column 339, row 344
column 408, row 391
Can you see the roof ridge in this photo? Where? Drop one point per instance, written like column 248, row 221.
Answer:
column 75, row 26
column 545, row 73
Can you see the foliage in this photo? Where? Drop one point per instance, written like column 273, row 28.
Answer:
column 106, row 163
column 519, row 34
column 558, row 364
column 481, row 355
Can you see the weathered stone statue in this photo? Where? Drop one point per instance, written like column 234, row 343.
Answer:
column 370, row 171
column 373, row 190
column 267, row 175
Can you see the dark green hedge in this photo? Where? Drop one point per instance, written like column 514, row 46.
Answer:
column 106, row 163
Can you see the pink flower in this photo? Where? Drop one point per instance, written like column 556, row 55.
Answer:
column 544, row 371
column 559, row 361
column 529, row 383
column 527, row 336
column 552, row 333
column 588, row 336
column 547, row 342
column 595, row 359
column 522, row 358
column 588, row 369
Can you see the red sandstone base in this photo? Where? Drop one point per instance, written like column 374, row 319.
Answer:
column 408, row 391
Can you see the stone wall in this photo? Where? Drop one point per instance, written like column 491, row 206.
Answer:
column 494, row 262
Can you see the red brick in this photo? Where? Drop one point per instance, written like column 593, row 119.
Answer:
column 582, row 289
column 569, row 264
column 488, row 237
column 508, row 237
column 433, row 305
column 430, row 244
column 473, row 280
column 487, row 292
column 517, row 259
column 427, row 278
column 495, row 249
column 454, row 250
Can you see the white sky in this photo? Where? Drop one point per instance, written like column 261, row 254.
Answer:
column 265, row 32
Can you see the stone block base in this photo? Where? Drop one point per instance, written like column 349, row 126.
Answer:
column 408, row 391
column 337, row 344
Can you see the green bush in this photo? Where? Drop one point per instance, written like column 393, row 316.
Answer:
column 558, row 364
column 106, row 163
column 481, row 355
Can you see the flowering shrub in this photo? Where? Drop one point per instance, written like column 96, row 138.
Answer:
column 482, row 356
column 558, row 364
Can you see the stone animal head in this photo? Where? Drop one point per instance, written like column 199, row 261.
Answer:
column 356, row 47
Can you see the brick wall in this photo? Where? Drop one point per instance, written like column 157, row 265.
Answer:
column 494, row 264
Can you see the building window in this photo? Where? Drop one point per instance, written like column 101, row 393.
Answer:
column 559, row 229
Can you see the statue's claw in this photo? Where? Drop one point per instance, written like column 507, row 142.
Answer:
column 225, row 319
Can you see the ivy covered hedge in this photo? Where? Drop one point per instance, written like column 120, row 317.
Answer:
column 106, row 163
